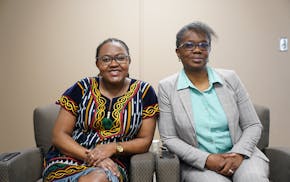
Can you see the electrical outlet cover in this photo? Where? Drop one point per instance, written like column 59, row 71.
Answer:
column 283, row 44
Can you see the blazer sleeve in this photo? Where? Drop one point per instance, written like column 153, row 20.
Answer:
column 249, row 126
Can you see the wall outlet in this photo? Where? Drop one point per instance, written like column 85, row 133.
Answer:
column 283, row 44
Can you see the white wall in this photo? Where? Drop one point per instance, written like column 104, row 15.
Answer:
column 45, row 46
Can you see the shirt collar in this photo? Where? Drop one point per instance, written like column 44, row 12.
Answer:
column 213, row 76
column 184, row 82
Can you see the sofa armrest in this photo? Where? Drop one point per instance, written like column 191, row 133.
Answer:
column 142, row 167
column 167, row 167
column 279, row 163
column 27, row 166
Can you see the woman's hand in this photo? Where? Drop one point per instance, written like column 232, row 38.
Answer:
column 225, row 164
column 215, row 162
column 232, row 162
column 110, row 165
column 99, row 153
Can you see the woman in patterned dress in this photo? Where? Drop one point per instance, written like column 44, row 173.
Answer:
column 103, row 120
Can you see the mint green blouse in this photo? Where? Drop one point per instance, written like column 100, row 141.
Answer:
column 210, row 121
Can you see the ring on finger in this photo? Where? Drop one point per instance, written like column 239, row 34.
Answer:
column 231, row 171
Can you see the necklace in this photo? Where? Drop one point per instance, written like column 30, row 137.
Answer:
column 106, row 121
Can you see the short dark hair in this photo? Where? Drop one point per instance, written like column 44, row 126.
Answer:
column 197, row 27
column 112, row 40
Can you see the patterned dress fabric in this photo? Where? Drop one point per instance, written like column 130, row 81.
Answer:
column 85, row 101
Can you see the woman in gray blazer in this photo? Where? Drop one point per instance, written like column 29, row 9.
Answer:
column 207, row 118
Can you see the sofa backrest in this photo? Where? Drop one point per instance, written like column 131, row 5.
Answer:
column 264, row 116
column 45, row 116
column 43, row 120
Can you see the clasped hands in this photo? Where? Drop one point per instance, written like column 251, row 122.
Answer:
column 225, row 164
column 100, row 157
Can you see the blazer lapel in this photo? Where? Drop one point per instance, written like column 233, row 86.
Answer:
column 227, row 105
column 184, row 96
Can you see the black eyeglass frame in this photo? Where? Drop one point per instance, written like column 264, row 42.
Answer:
column 107, row 60
column 203, row 46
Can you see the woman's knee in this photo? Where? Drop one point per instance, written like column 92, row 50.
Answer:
column 251, row 176
column 94, row 176
column 206, row 175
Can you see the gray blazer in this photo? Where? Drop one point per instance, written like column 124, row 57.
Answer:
column 176, row 123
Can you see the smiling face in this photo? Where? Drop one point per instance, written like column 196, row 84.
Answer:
column 196, row 58
column 114, row 72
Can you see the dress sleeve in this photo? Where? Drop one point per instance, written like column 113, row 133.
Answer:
column 71, row 98
column 150, row 103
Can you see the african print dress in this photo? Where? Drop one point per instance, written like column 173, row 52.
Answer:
column 90, row 107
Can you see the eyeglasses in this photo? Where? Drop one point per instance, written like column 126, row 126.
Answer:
column 106, row 60
column 189, row 46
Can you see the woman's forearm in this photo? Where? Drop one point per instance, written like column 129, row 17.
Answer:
column 69, row 147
